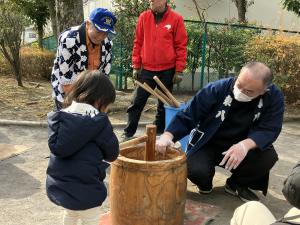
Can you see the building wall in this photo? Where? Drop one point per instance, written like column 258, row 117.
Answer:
column 262, row 12
column 89, row 5
column 29, row 35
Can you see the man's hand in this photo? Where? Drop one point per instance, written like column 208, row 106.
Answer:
column 164, row 141
column 177, row 78
column 136, row 73
column 234, row 156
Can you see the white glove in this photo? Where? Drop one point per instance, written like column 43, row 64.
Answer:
column 234, row 156
column 163, row 142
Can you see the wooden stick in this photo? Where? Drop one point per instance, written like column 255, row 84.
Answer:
column 159, row 92
column 165, row 101
column 150, row 90
column 163, row 87
column 150, row 144
column 133, row 142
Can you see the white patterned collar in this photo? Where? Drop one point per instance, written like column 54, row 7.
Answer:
column 81, row 108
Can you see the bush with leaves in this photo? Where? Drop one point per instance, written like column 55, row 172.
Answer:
column 282, row 54
column 194, row 47
column 35, row 63
column 292, row 5
column 226, row 46
column 127, row 12
column 11, row 26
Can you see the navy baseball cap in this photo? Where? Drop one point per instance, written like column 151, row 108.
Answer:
column 103, row 20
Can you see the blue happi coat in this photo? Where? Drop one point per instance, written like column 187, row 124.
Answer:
column 207, row 110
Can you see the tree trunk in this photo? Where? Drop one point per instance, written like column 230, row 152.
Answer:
column 69, row 13
column 125, row 82
column 17, row 70
column 52, row 12
column 193, row 80
column 241, row 6
column 40, row 36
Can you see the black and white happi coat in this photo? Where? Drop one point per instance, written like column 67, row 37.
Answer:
column 72, row 58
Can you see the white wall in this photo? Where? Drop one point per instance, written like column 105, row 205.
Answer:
column 263, row 12
column 29, row 35
column 266, row 13
column 89, row 5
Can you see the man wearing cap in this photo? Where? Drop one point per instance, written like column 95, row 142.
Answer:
column 233, row 124
column 85, row 47
column 159, row 50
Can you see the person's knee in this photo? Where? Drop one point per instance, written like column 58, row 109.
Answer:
column 270, row 158
column 202, row 174
column 254, row 213
column 266, row 159
column 273, row 157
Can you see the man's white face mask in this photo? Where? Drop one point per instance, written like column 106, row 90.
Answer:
column 240, row 96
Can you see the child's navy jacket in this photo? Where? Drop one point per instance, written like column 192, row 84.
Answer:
column 79, row 144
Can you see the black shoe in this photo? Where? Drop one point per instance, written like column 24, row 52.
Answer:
column 244, row 193
column 204, row 191
column 124, row 137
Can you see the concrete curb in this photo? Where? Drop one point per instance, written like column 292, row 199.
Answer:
column 44, row 124
column 291, row 118
column 117, row 125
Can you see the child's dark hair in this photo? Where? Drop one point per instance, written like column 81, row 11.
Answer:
column 92, row 87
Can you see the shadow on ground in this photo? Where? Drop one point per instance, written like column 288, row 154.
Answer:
column 17, row 183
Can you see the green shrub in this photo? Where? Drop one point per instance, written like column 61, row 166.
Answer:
column 226, row 47
column 194, row 48
column 282, row 54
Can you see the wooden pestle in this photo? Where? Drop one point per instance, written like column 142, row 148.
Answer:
column 149, row 138
column 150, row 143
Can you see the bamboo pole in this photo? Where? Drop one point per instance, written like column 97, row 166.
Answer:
column 159, row 92
column 134, row 142
column 151, row 91
column 168, row 93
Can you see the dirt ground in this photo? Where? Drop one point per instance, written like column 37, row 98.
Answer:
column 33, row 102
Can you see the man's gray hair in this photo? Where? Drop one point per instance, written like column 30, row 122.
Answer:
column 260, row 71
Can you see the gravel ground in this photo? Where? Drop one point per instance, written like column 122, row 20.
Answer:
column 22, row 179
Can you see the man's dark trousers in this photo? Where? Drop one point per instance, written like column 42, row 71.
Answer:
column 141, row 96
column 253, row 172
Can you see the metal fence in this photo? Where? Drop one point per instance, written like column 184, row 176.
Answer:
column 215, row 51
column 204, row 62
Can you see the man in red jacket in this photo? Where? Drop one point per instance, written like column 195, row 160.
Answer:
column 159, row 50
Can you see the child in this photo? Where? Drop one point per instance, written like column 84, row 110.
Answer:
column 255, row 213
column 80, row 138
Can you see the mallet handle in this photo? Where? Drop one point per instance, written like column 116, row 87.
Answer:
column 133, row 142
column 168, row 93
